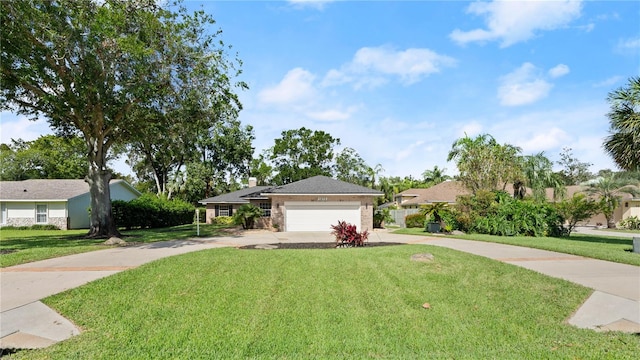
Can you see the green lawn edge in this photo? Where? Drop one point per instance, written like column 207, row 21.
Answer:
column 609, row 248
column 24, row 246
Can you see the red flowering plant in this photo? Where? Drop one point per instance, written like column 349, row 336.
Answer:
column 347, row 235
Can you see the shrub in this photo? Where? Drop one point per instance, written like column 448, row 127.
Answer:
column 32, row 227
column 44, row 227
column 152, row 211
column 222, row 220
column 414, row 220
column 347, row 235
column 380, row 216
column 247, row 215
column 630, row 223
column 497, row 213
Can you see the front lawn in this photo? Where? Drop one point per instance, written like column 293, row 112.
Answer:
column 329, row 304
column 616, row 249
column 23, row 246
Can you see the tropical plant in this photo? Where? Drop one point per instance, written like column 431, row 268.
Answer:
column 609, row 189
column 537, row 174
column 347, row 235
column 630, row 223
column 624, row 142
column 435, row 210
column 435, row 176
column 573, row 210
column 483, row 163
column 246, row 215
column 382, row 216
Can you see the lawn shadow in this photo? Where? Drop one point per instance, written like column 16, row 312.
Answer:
column 600, row 239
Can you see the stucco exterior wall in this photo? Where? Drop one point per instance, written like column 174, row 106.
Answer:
column 24, row 213
column 278, row 207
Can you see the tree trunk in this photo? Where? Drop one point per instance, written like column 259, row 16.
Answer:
column 101, row 224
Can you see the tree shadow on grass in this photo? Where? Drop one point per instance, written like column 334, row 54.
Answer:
column 600, row 239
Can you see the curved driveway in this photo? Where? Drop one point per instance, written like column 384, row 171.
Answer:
column 25, row 322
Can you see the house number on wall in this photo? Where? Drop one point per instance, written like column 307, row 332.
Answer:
column 322, row 198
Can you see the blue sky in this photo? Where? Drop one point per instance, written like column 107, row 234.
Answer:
column 400, row 81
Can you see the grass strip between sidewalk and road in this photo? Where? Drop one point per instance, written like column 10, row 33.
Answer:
column 354, row 303
column 616, row 249
column 23, row 246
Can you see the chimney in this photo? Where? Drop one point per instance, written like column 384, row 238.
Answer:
column 253, row 182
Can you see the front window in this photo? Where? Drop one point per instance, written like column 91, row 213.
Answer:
column 266, row 209
column 41, row 214
column 224, row 210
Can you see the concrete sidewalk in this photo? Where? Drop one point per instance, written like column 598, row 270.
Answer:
column 25, row 322
column 615, row 304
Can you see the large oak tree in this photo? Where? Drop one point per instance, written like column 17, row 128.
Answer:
column 85, row 65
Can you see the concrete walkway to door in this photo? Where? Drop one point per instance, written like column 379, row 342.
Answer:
column 25, row 322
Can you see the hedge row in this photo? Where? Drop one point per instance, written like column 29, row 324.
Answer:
column 151, row 211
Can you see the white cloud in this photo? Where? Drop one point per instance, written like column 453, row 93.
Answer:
column 332, row 114
column 373, row 66
column 471, row 129
column 20, row 127
column 523, row 86
column 629, row 44
column 511, row 22
column 543, row 140
column 408, row 151
column 609, row 81
column 316, row 4
column 559, row 70
column 296, row 86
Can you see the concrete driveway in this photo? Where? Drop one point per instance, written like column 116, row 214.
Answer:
column 25, row 322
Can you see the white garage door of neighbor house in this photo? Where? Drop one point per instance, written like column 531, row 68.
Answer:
column 319, row 216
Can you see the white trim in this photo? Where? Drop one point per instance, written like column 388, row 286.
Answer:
column 36, row 200
column 46, row 214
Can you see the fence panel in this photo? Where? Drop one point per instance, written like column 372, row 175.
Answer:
column 399, row 215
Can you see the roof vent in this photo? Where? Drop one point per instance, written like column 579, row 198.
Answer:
column 25, row 190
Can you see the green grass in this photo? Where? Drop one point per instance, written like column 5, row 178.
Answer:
column 329, row 304
column 616, row 249
column 34, row 245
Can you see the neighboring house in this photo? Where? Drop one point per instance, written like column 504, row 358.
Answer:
column 63, row 203
column 629, row 206
column 446, row 191
column 312, row 204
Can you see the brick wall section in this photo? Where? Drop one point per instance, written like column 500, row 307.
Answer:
column 366, row 207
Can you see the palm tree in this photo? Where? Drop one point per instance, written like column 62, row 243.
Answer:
column 624, row 142
column 483, row 163
column 537, row 171
column 608, row 189
column 435, row 176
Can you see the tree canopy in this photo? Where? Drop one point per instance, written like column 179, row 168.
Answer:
column 47, row 157
column 92, row 67
column 483, row 163
column 302, row 153
column 623, row 144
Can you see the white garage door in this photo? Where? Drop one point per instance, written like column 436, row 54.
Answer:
column 319, row 216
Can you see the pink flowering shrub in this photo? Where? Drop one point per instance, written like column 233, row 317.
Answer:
column 347, row 235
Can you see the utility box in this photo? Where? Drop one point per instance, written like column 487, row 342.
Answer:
column 636, row 245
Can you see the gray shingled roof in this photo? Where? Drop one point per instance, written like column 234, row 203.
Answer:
column 322, row 185
column 43, row 189
column 236, row 197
